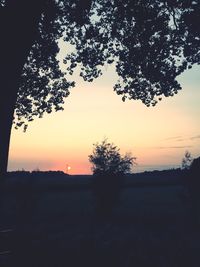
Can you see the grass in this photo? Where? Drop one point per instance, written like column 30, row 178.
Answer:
column 150, row 226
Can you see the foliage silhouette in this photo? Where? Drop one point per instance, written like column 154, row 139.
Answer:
column 108, row 168
column 150, row 43
column 187, row 160
column 106, row 159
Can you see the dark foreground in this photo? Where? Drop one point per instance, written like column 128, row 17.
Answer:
column 43, row 225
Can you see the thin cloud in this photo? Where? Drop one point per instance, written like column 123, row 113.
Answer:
column 195, row 137
column 182, row 138
column 173, row 137
column 173, row 147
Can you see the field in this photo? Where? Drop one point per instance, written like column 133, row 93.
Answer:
column 49, row 220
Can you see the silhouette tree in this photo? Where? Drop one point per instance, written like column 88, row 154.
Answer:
column 106, row 160
column 150, row 43
column 108, row 167
column 187, row 161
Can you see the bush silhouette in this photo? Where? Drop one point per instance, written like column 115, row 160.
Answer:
column 187, row 160
column 106, row 159
column 108, row 168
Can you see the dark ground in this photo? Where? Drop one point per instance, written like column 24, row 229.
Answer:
column 51, row 222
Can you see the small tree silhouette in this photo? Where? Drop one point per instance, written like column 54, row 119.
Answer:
column 106, row 159
column 108, row 168
column 187, row 160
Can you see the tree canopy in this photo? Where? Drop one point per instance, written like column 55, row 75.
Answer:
column 150, row 42
column 107, row 160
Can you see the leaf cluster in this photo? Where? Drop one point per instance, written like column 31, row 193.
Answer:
column 107, row 160
column 187, row 161
column 150, row 42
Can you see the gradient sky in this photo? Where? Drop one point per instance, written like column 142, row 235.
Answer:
column 157, row 136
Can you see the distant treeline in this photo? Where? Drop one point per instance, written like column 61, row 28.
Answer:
column 58, row 180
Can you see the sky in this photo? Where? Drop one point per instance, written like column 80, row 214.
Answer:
column 157, row 136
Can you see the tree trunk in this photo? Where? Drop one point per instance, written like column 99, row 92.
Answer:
column 7, row 104
column 18, row 30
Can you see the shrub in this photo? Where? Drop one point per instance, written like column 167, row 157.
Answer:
column 106, row 159
column 187, row 161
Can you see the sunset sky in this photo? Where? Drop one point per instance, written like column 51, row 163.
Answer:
column 157, row 136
